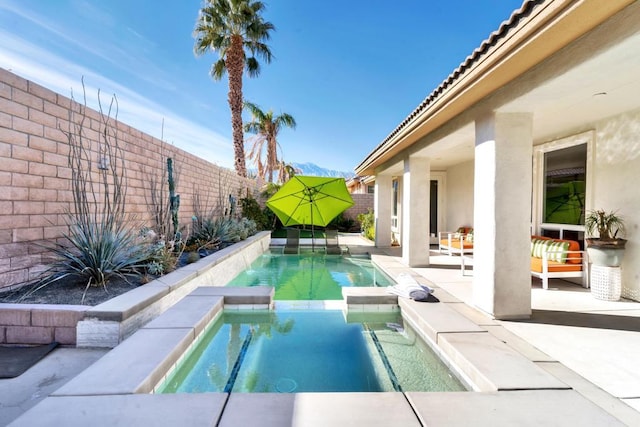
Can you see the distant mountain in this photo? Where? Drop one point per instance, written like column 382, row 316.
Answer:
column 315, row 170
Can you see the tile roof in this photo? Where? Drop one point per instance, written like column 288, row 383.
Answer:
column 467, row 64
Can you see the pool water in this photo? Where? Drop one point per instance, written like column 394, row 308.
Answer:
column 309, row 351
column 310, row 276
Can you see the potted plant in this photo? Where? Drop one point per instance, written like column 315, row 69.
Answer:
column 605, row 253
column 604, row 246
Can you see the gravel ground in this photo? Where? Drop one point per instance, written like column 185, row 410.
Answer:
column 69, row 292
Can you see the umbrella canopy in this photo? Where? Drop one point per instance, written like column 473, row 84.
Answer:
column 310, row 200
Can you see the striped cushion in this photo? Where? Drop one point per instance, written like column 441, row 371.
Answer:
column 559, row 250
column 538, row 246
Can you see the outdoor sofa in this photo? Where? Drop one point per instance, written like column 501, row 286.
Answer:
column 456, row 242
column 558, row 259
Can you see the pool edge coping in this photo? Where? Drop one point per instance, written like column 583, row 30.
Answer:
column 434, row 332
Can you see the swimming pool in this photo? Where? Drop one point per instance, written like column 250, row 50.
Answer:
column 310, row 276
column 309, row 351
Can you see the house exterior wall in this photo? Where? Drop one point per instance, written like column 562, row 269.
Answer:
column 35, row 185
column 459, row 196
column 617, row 172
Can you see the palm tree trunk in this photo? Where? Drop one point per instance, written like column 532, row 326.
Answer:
column 235, row 66
column 272, row 155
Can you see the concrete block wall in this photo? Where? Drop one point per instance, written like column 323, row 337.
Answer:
column 363, row 202
column 35, row 185
column 39, row 324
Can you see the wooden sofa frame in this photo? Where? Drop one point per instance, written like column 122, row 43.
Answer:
column 450, row 247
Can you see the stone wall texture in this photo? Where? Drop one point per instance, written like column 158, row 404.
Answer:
column 35, row 184
column 363, row 202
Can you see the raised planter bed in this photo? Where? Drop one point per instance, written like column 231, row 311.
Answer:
column 109, row 323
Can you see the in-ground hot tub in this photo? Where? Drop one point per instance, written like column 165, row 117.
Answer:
column 309, row 351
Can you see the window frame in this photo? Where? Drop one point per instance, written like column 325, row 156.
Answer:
column 539, row 182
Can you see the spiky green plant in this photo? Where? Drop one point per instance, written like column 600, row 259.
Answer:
column 607, row 224
column 208, row 233
column 96, row 252
column 102, row 240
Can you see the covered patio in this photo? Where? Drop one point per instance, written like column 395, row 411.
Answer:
column 557, row 81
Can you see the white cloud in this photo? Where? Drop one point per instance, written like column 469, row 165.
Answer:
column 63, row 76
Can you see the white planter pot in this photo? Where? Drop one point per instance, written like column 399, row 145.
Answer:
column 605, row 256
column 605, row 283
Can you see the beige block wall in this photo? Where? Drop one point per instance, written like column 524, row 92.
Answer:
column 35, row 186
column 362, row 203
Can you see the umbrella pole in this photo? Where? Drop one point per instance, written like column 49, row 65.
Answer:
column 313, row 248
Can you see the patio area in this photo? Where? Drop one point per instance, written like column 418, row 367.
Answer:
column 589, row 345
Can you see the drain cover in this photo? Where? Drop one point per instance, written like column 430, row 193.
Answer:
column 286, row 385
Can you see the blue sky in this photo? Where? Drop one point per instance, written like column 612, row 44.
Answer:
column 349, row 71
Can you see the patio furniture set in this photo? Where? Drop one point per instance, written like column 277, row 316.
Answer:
column 550, row 258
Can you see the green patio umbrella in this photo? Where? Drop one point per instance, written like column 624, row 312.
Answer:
column 310, row 200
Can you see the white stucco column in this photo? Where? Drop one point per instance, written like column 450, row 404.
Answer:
column 382, row 210
column 502, row 215
column 415, row 211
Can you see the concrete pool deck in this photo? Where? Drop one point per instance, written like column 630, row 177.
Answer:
column 553, row 395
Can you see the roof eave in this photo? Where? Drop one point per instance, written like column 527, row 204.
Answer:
column 533, row 33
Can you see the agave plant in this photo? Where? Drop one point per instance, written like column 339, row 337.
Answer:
column 210, row 232
column 97, row 252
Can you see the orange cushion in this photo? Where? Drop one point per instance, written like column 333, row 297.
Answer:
column 455, row 243
column 555, row 267
column 573, row 246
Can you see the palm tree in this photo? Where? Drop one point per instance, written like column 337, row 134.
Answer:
column 237, row 31
column 266, row 127
column 286, row 171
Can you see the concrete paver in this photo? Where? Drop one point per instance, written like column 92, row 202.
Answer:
column 509, row 408
column 555, row 348
column 134, row 366
column 619, row 408
column 126, row 410
column 435, row 319
column 318, row 409
column 189, row 312
column 493, row 365
column 19, row 394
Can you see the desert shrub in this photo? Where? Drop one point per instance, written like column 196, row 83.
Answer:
column 208, row 233
column 367, row 224
column 163, row 257
column 240, row 230
column 97, row 252
column 251, row 210
column 102, row 240
column 342, row 223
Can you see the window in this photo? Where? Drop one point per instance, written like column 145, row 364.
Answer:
column 565, row 185
column 563, row 178
column 394, row 185
column 394, row 212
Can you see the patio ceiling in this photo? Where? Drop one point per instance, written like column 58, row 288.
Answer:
column 567, row 93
